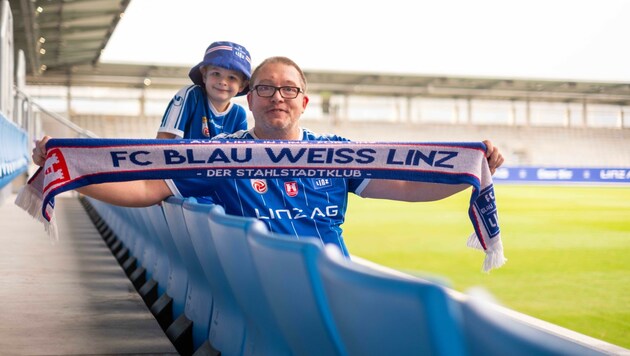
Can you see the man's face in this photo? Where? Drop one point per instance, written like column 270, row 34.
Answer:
column 276, row 117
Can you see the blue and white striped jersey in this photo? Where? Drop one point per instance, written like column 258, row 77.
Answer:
column 189, row 115
column 301, row 207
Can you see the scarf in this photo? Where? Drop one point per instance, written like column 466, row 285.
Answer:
column 73, row 163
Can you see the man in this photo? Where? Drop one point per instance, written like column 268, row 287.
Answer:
column 295, row 206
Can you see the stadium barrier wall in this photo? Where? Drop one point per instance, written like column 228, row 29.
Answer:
column 537, row 174
column 231, row 319
column 14, row 157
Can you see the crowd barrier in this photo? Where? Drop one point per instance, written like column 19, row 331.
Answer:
column 14, row 158
column 553, row 175
column 221, row 284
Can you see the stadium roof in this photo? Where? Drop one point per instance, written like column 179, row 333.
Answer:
column 76, row 31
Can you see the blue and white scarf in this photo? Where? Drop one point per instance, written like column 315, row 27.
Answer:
column 73, row 163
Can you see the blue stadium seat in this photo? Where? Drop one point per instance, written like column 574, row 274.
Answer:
column 378, row 313
column 148, row 256
column 160, row 233
column 289, row 278
column 177, row 283
column 198, row 308
column 492, row 333
column 128, row 231
column 227, row 332
column 229, row 234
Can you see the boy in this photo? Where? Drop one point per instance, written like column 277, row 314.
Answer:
column 204, row 109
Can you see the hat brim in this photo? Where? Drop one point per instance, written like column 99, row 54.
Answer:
column 195, row 75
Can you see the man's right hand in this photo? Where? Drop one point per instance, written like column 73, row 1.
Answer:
column 39, row 151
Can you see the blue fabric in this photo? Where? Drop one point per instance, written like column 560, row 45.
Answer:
column 184, row 116
column 14, row 156
column 308, row 213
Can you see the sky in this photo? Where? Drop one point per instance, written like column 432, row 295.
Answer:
column 581, row 40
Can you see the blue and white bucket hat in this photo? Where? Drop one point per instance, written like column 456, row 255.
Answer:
column 224, row 54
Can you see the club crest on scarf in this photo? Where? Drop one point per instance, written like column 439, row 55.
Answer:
column 55, row 169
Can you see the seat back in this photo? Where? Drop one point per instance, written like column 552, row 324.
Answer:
column 288, row 276
column 199, row 299
column 148, row 255
column 227, row 332
column 489, row 332
column 229, row 234
column 166, row 254
column 378, row 313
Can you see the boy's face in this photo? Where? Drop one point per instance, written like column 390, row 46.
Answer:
column 222, row 85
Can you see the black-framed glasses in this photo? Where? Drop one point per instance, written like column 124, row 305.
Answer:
column 267, row 91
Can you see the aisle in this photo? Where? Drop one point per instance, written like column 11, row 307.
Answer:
column 69, row 297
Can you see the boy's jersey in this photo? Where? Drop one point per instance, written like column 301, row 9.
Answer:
column 190, row 116
column 301, row 207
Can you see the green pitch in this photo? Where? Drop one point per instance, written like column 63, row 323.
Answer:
column 568, row 251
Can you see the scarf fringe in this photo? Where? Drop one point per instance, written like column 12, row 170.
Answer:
column 473, row 242
column 494, row 259
column 494, row 253
column 29, row 199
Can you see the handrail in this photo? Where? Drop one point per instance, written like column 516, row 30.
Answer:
column 62, row 120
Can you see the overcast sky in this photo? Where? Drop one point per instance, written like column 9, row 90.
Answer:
column 544, row 39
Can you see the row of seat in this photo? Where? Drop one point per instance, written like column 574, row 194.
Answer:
column 224, row 284
column 13, row 151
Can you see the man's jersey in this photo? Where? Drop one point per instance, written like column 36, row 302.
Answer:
column 301, row 207
column 189, row 115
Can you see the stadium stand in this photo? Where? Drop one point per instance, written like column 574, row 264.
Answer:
column 319, row 301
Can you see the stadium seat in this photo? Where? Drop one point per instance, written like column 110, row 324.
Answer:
column 173, row 300
column 489, row 332
column 229, row 234
column 158, row 228
column 289, row 278
column 143, row 249
column 198, row 307
column 378, row 313
column 149, row 253
column 227, row 332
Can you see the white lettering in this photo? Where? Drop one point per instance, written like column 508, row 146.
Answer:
column 218, row 173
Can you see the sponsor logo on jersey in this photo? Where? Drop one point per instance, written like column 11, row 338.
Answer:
column 297, row 213
column 55, row 169
column 259, row 185
column 177, row 100
column 291, row 188
column 321, row 183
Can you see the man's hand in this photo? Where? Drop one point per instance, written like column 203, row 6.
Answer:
column 39, row 151
column 495, row 158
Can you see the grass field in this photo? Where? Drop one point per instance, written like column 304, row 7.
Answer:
column 568, row 251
